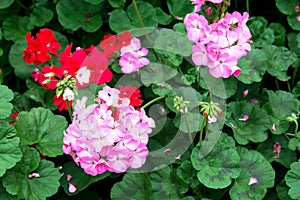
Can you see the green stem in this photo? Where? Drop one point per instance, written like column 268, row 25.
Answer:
column 20, row 4
column 290, row 134
column 294, row 76
column 202, row 128
column 289, row 87
column 247, row 6
column 287, row 137
column 152, row 101
column 141, row 20
column 296, row 128
column 188, row 128
column 69, row 110
column 276, row 82
column 198, row 78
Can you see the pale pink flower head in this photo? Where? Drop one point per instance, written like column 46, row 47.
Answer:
column 297, row 8
column 245, row 93
column 298, row 18
column 245, row 118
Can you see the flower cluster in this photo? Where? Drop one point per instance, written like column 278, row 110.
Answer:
column 77, row 68
column 38, row 49
column 109, row 136
column 132, row 57
column 219, row 45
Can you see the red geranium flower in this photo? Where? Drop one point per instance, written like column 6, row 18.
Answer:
column 47, row 37
column 131, row 93
column 61, row 103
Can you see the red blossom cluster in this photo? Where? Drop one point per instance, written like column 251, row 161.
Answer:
column 77, row 68
column 38, row 49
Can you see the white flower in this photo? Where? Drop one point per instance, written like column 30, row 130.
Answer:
column 68, row 94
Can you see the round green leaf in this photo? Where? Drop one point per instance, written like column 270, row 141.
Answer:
column 162, row 17
column 132, row 186
column 281, row 104
column 216, row 169
column 95, row 2
column 292, row 179
column 6, row 95
column 254, row 129
column 5, row 195
column 117, row 3
column 10, row 153
column 173, row 42
column 40, row 16
column 22, row 70
column 279, row 32
column 293, row 22
column 278, row 61
column 253, row 66
column 282, row 191
column 32, row 188
column 15, row 27
column 180, row 8
column 287, row 6
column 147, row 13
column 81, row 179
column 188, row 174
column 253, row 164
column 294, row 42
column 6, row 3
column 119, row 21
column 165, row 186
column 87, row 16
column 286, row 156
column 42, row 128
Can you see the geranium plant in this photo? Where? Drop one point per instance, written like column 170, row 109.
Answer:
column 189, row 99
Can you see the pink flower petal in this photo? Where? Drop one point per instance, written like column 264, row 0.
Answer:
column 252, row 180
column 72, row 188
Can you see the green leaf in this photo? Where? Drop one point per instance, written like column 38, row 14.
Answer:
column 10, row 153
column 282, row 191
column 41, row 127
column 22, row 70
column 279, row 32
column 117, row 3
column 95, row 2
column 278, row 61
column 261, row 35
column 292, row 179
column 293, row 22
column 281, row 104
column 254, row 129
column 296, row 90
column 180, row 8
column 6, row 95
column 162, row 17
column 157, row 73
column 216, row 169
column 87, row 16
column 6, row 3
column 287, row 6
column 35, row 92
column 40, row 16
column 15, row 27
column 79, row 177
column 293, row 42
column 253, row 164
column 165, row 186
column 286, row 156
column 119, row 21
column 132, row 187
column 147, row 13
column 5, row 195
column 32, row 188
column 188, row 174
column 253, row 66
column 174, row 42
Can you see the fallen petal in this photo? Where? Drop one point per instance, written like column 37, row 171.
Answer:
column 72, row 188
column 252, row 180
